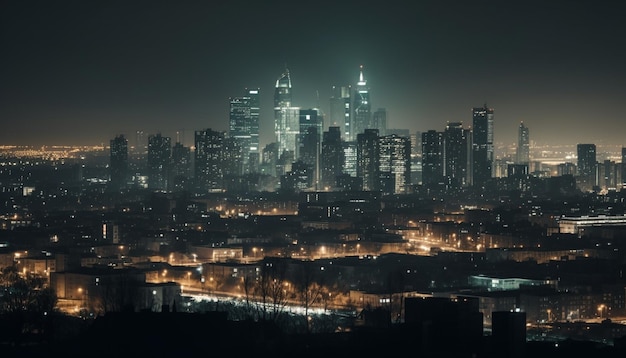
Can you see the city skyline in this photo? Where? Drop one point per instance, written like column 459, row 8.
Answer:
column 78, row 73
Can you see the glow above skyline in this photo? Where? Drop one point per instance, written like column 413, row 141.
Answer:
column 80, row 73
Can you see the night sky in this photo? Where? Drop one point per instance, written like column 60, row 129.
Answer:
column 82, row 72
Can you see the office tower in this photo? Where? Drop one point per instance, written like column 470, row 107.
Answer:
column 341, row 111
column 118, row 164
column 523, row 145
column 456, row 155
column 362, row 119
column 297, row 178
column 286, row 117
column 232, row 157
column 244, row 126
column 587, row 166
column 159, row 161
column 368, row 163
column 482, row 144
column 310, row 147
column 416, row 157
column 394, row 164
column 432, row 158
column 350, row 158
column 141, row 142
column 269, row 159
column 285, row 160
column 308, row 118
column 623, row 164
column 565, row 169
column 181, row 167
column 208, row 168
column 331, row 158
column 379, row 121
column 608, row 174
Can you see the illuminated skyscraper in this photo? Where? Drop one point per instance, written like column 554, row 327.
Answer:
column 208, row 166
column 350, row 158
column 159, row 162
column 482, row 144
column 286, row 117
column 118, row 164
column 244, row 127
column 523, row 145
column 362, row 119
column 394, row 164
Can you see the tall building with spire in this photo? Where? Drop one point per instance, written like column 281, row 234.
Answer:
column 362, row 118
column 482, row 144
column 286, row 117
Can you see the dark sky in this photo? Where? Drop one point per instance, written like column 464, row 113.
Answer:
column 82, row 72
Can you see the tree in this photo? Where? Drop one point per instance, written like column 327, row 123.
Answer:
column 309, row 289
column 271, row 291
column 26, row 302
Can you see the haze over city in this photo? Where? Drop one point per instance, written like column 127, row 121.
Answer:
column 79, row 73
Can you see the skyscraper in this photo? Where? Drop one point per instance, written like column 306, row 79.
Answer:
column 181, row 167
column 208, row 167
column 309, row 152
column 623, row 164
column 341, row 111
column 244, row 126
column 394, row 164
column 159, row 160
column 309, row 118
column 286, row 117
column 368, row 162
column 362, row 119
column 456, row 155
column 350, row 158
column 118, row 164
column 432, row 157
column 587, row 166
column 269, row 159
column 482, row 144
column 523, row 145
column 379, row 121
column 332, row 157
